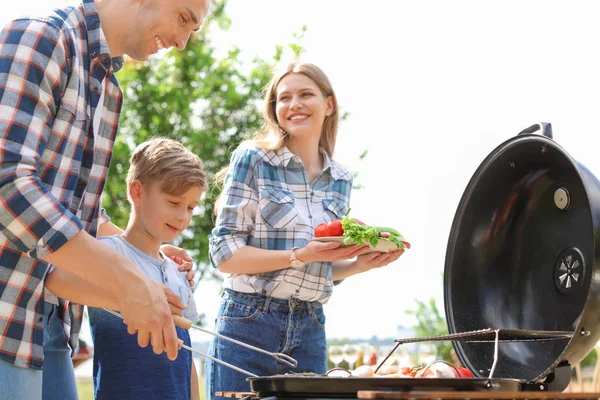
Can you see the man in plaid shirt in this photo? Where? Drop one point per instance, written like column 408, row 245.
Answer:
column 59, row 111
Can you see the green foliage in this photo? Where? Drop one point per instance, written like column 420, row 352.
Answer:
column 431, row 323
column 209, row 103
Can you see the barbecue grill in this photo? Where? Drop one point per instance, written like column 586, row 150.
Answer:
column 521, row 291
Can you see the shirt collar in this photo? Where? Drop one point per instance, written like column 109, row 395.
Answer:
column 97, row 44
column 283, row 156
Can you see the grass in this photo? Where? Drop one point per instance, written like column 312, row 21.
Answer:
column 85, row 388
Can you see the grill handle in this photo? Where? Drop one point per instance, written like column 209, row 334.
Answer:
column 544, row 127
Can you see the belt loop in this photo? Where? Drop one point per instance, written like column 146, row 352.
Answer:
column 312, row 306
column 266, row 304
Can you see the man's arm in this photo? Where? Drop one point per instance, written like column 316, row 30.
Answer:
column 141, row 300
column 179, row 255
column 32, row 218
column 107, row 228
column 70, row 286
column 67, row 285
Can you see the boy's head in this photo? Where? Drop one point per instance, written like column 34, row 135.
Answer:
column 164, row 183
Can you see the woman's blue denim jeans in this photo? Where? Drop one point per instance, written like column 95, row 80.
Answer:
column 58, row 374
column 292, row 327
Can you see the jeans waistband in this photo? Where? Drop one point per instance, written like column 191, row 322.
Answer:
column 266, row 303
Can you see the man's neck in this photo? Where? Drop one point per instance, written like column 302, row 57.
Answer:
column 110, row 25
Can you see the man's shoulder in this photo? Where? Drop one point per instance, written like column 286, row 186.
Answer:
column 59, row 19
column 46, row 33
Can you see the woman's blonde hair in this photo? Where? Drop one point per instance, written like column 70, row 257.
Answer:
column 271, row 136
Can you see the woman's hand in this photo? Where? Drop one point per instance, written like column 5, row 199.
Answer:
column 328, row 251
column 376, row 259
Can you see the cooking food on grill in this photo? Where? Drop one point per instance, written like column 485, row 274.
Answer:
column 350, row 231
column 436, row 369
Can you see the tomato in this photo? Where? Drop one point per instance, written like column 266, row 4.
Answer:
column 320, row 230
column 334, row 228
column 464, row 373
column 406, row 244
column 331, row 228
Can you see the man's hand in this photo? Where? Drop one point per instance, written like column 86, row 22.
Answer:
column 145, row 310
column 182, row 258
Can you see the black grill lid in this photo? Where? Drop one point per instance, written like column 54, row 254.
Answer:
column 521, row 256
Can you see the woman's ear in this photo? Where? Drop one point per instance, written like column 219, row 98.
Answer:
column 136, row 189
column 330, row 108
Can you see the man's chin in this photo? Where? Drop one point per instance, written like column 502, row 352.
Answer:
column 138, row 57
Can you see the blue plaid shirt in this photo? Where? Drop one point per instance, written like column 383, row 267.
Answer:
column 52, row 169
column 267, row 202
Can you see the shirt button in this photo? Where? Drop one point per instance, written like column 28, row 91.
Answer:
column 166, row 279
column 310, row 216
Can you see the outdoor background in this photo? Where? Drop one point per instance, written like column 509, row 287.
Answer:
column 428, row 89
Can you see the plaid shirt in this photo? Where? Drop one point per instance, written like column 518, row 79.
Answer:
column 267, row 202
column 52, row 170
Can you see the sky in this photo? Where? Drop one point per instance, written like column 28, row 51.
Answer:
column 432, row 87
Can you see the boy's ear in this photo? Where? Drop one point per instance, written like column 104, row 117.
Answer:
column 136, row 189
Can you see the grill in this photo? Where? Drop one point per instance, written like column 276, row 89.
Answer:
column 521, row 286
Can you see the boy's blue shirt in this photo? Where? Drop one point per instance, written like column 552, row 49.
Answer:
column 122, row 369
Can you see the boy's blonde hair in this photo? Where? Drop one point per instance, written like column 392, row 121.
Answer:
column 167, row 162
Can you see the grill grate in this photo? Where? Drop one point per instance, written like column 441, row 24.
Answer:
column 488, row 335
column 367, row 394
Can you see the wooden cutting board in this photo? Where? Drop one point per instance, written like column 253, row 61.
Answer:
column 373, row 394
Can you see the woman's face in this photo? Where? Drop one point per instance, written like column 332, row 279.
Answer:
column 301, row 107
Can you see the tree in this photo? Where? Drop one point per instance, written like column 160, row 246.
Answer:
column 210, row 104
column 431, row 323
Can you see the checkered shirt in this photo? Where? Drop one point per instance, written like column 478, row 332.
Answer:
column 52, row 170
column 267, row 202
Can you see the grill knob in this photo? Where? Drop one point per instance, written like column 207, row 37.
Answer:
column 562, row 198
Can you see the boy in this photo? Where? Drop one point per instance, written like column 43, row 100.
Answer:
column 164, row 183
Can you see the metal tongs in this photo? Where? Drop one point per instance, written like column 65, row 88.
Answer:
column 187, row 324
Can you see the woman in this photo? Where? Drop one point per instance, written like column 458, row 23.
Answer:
column 276, row 190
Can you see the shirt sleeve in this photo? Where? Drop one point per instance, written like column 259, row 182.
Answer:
column 191, row 312
column 33, row 72
column 237, row 207
column 103, row 217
